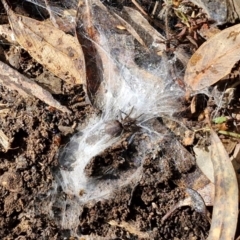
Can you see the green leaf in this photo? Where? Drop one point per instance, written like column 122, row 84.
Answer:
column 220, row 119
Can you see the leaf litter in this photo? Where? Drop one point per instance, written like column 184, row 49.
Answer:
column 59, row 52
column 135, row 165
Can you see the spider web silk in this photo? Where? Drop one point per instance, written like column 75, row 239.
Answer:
column 145, row 90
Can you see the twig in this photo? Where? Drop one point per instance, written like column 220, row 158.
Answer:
column 166, row 21
column 155, row 8
column 139, row 7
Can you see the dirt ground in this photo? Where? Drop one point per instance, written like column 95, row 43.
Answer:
column 37, row 132
column 27, row 175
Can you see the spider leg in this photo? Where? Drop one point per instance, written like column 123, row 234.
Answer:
column 131, row 111
column 139, row 116
column 127, row 115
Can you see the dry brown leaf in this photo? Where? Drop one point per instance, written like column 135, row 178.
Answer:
column 87, row 35
column 214, row 59
column 58, row 52
column 13, row 80
column 225, row 210
column 236, row 166
column 236, row 163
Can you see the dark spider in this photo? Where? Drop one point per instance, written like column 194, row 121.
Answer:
column 116, row 127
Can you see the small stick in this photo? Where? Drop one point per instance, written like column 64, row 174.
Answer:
column 155, row 8
column 139, row 7
column 166, row 21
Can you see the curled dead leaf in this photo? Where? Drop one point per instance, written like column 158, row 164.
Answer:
column 87, row 35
